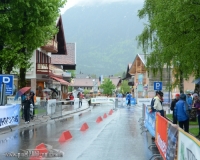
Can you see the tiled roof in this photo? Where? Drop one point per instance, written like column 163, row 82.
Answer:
column 70, row 58
column 88, row 82
column 83, row 82
column 115, row 80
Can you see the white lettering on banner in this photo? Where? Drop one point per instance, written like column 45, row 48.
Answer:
column 162, row 145
column 190, row 155
column 6, row 79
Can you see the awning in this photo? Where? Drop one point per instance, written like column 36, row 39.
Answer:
column 62, row 81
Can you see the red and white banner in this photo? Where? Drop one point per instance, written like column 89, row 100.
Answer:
column 161, row 134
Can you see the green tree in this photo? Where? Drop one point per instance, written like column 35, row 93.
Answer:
column 172, row 37
column 107, row 86
column 31, row 25
column 124, row 88
column 86, row 91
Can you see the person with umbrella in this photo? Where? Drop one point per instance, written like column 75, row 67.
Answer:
column 22, row 92
column 27, row 103
column 32, row 99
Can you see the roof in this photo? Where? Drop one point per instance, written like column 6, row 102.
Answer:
column 70, row 58
column 115, row 80
column 84, row 82
column 143, row 58
column 62, row 81
column 129, row 65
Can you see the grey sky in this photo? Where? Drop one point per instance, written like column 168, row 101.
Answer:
column 71, row 3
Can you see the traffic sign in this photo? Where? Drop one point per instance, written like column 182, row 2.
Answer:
column 158, row 86
column 9, row 81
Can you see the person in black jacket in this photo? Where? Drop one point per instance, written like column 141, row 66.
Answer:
column 27, row 103
column 32, row 94
column 173, row 104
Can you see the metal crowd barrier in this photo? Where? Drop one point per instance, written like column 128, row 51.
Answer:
column 40, row 109
column 57, row 112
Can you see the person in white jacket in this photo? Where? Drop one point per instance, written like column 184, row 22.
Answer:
column 158, row 103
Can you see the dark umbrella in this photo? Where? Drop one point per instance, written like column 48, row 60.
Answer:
column 54, row 90
column 197, row 81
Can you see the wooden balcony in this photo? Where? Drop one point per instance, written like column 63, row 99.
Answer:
column 51, row 46
column 43, row 68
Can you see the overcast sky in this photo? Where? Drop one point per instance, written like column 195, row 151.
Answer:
column 71, row 3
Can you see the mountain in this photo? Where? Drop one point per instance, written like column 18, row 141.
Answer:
column 105, row 36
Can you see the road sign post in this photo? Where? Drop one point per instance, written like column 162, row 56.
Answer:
column 157, row 86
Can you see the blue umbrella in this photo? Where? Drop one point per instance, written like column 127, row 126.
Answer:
column 197, row 81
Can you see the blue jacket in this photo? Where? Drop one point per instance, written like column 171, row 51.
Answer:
column 181, row 111
column 189, row 101
column 128, row 96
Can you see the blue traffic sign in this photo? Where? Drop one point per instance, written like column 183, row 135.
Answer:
column 157, row 86
column 9, row 81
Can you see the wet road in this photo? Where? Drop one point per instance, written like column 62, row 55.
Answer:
column 117, row 137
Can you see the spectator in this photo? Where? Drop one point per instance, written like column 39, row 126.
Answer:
column 173, row 104
column 189, row 100
column 80, row 96
column 128, row 98
column 181, row 112
column 23, row 98
column 197, row 106
column 158, row 103
column 33, row 100
column 71, row 98
column 152, row 102
column 27, row 103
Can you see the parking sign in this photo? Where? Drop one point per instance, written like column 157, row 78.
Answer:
column 157, row 86
column 9, row 81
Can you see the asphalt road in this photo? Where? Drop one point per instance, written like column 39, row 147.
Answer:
column 117, row 137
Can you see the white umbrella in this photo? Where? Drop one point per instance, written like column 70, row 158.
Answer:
column 46, row 90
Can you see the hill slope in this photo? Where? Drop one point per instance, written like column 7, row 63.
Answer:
column 104, row 35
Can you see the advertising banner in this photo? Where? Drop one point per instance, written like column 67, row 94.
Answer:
column 146, row 101
column 149, row 123
column 161, row 134
column 102, row 100
column 188, row 146
column 172, row 141
column 9, row 115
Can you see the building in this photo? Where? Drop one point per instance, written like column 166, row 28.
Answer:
column 144, row 81
column 44, row 73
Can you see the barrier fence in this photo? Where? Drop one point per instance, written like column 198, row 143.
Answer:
column 53, row 108
column 172, row 142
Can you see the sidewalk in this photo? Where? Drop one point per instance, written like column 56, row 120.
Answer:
column 38, row 120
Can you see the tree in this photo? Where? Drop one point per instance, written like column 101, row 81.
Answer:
column 86, row 91
column 33, row 27
column 124, row 88
column 172, row 37
column 107, row 86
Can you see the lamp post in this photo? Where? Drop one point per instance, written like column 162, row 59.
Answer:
column 93, row 86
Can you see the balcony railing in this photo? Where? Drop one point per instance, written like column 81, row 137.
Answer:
column 51, row 46
column 66, row 74
column 42, row 68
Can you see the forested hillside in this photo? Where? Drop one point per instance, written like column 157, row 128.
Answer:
column 105, row 36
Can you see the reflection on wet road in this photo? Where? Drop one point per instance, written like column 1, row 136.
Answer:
column 117, row 137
